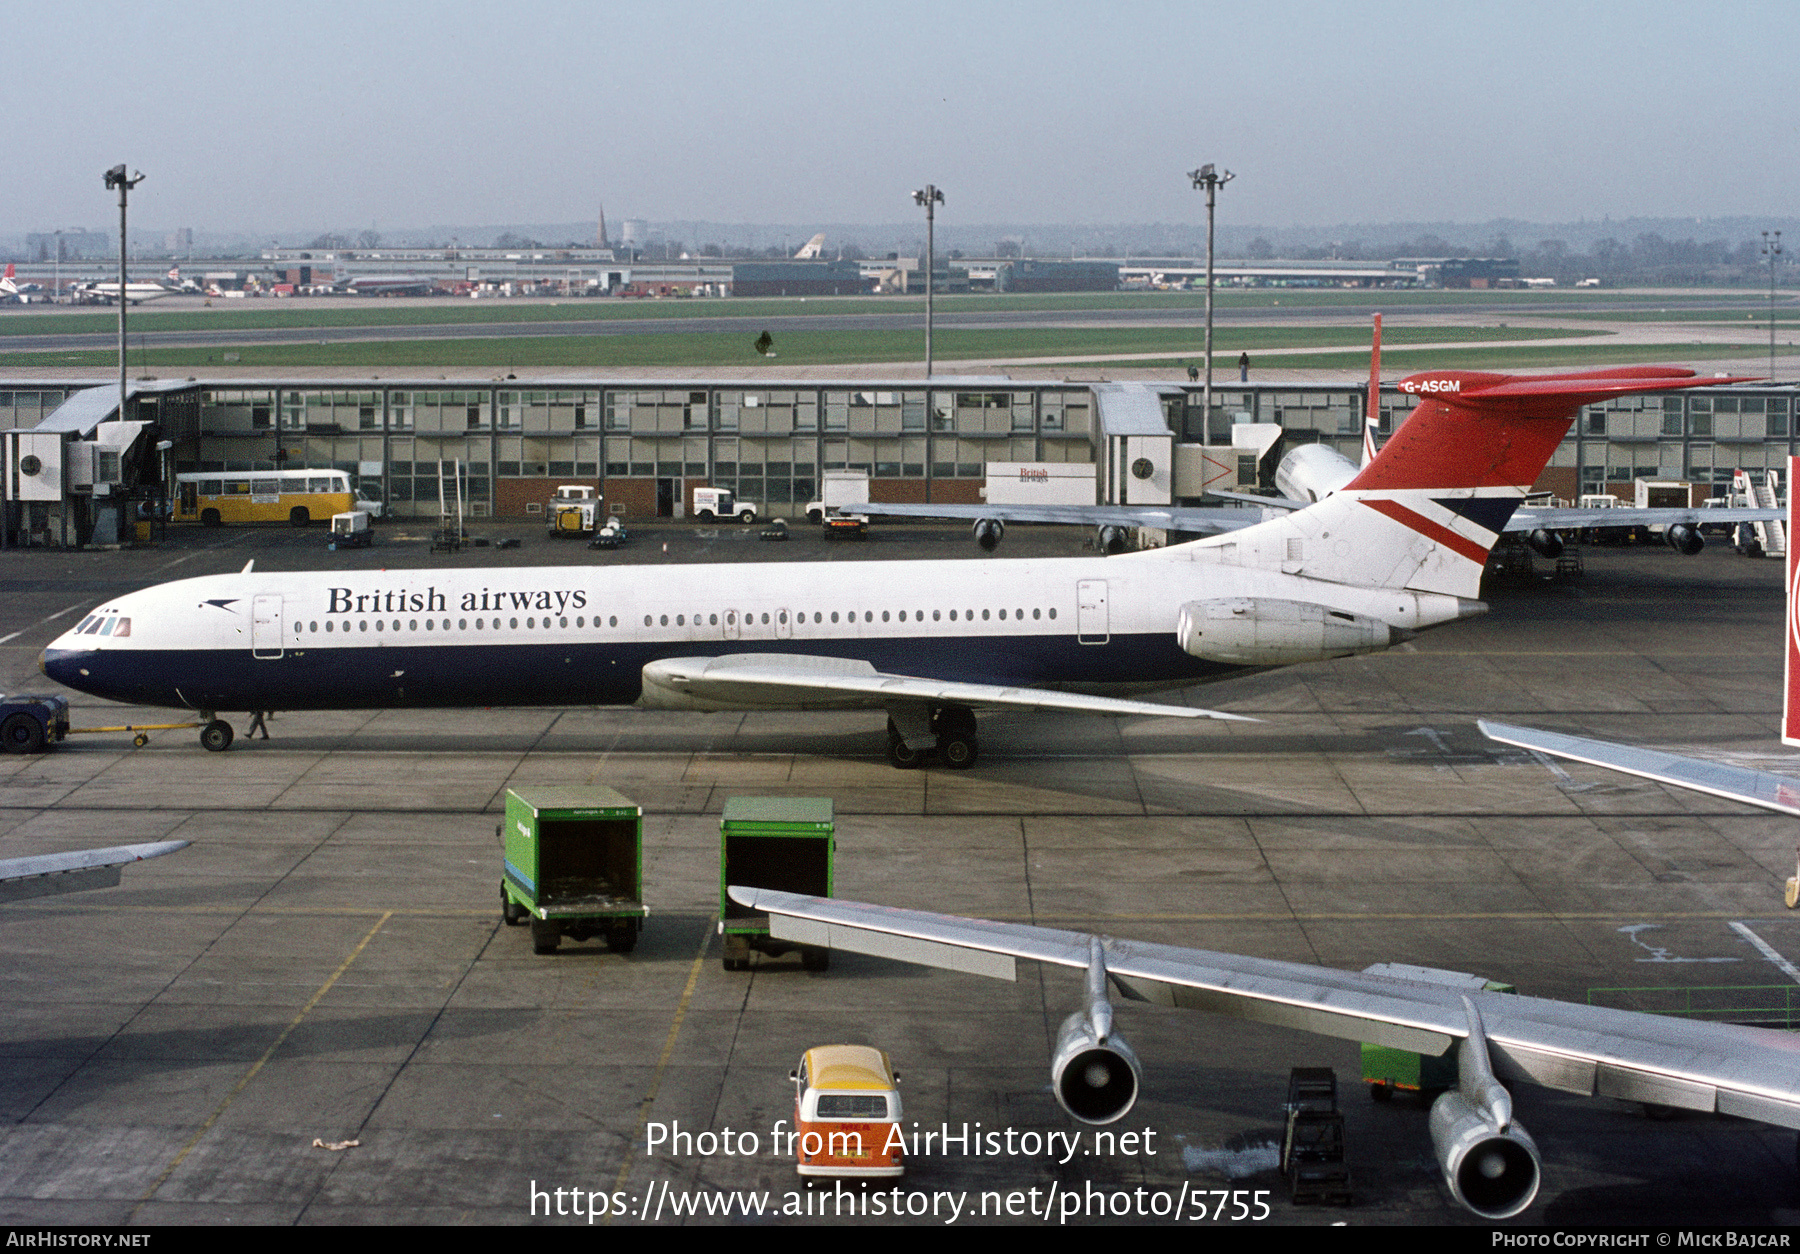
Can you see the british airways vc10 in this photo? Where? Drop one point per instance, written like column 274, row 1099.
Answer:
column 1399, row 549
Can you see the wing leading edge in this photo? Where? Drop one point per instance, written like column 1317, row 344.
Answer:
column 43, row 875
column 1590, row 1050
column 1734, row 783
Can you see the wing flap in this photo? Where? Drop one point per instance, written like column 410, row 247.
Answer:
column 785, row 680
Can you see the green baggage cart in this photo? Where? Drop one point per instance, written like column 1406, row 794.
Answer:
column 574, row 866
column 785, row 843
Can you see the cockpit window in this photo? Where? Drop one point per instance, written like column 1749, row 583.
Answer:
column 82, row 625
column 94, row 624
column 123, row 629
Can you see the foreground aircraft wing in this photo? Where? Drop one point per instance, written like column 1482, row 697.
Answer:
column 1592, row 1050
column 1200, row 521
column 789, row 681
column 50, row 873
column 1734, row 783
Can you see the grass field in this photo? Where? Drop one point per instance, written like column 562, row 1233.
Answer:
column 269, row 313
column 798, row 348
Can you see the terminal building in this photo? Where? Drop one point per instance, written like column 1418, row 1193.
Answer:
column 648, row 444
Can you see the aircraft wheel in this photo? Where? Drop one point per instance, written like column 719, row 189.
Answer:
column 215, row 737
column 545, row 936
column 299, row 516
column 511, row 912
column 958, row 752
column 22, row 734
column 901, row 757
column 737, row 954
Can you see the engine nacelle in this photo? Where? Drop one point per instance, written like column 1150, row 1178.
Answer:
column 1312, row 472
column 1492, row 1170
column 1096, row 1081
column 1684, row 538
column 988, row 532
column 1263, row 631
column 1545, row 543
column 1111, row 539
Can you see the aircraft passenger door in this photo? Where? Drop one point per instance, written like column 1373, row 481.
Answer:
column 1091, row 625
column 265, row 627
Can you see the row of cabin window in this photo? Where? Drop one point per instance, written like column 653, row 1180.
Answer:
column 462, row 624
column 531, row 623
column 818, row 616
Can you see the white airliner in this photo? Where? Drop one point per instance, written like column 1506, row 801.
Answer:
column 135, row 293
column 1398, row 549
column 1489, row 1161
column 16, row 292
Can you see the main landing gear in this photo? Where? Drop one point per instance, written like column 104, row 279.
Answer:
column 947, row 732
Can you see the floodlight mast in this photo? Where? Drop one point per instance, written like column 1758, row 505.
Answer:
column 1771, row 249
column 1211, row 179
column 930, row 197
column 115, row 177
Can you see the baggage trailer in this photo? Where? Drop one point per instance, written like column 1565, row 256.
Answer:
column 786, row 843
column 574, row 866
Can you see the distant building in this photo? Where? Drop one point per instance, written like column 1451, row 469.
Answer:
column 798, row 278
column 68, row 246
column 1057, row 276
column 180, row 240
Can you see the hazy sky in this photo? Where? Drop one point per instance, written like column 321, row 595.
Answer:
column 396, row 113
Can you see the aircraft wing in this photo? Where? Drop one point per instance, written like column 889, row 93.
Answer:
column 1734, row 783
column 786, row 681
column 1526, row 519
column 1591, row 1050
column 1199, row 520
column 46, row 874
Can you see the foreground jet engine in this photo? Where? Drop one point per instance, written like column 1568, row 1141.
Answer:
column 988, row 532
column 1489, row 1161
column 1093, row 1072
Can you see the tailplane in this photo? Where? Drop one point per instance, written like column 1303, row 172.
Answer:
column 1425, row 512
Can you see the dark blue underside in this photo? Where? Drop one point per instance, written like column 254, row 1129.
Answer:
column 421, row 676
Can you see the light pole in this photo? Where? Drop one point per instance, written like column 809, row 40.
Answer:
column 1209, row 178
column 1771, row 250
column 115, row 177
column 931, row 198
